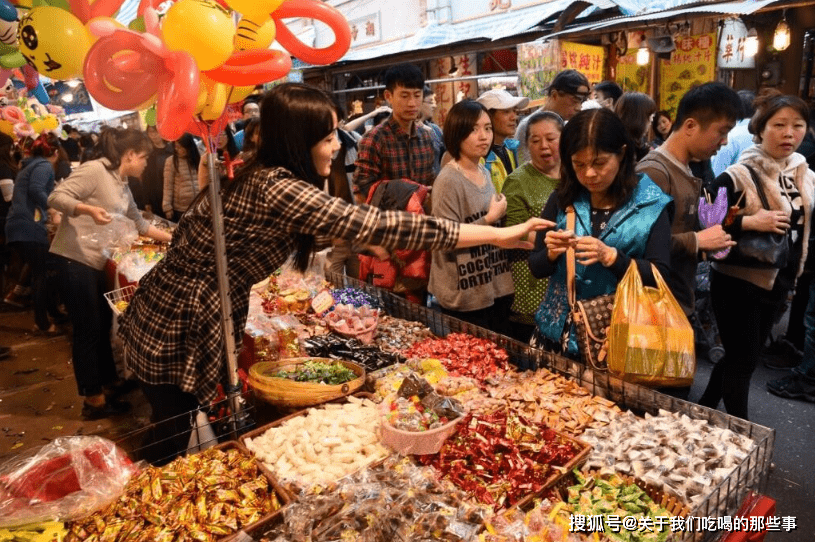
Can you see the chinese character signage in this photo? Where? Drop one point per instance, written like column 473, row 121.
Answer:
column 448, row 94
column 691, row 64
column 365, row 30
column 631, row 76
column 587, row 59
column 732, row 41
column 538, row 63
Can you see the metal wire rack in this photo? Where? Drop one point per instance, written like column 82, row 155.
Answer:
column 753, row 471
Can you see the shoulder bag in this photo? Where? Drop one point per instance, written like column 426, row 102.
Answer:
column 591, row 317
column 760, row 249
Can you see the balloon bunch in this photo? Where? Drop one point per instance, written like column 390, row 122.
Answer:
column 28, row 119
column 191, row 64
column 10, row 57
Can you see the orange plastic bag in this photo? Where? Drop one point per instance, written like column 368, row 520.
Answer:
column 651, row 339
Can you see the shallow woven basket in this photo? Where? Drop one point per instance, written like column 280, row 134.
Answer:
column 288, row 393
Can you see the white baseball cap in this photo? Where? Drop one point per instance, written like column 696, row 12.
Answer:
column 501, row 99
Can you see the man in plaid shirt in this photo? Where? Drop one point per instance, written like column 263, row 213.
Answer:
column 398, row 148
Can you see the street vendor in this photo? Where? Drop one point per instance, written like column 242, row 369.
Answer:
column 275, row 207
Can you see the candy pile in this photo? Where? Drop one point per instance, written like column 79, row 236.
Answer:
column 347, row 319
column 501, row 458
column 685, row 457
column 323, row 445
column 388, row 502
column 541, row 524
column 397, row 335
column 337, row 347
column 551, row 399
column 352, row 296
column 464, row 355
column 408, row 414
column 199, row 497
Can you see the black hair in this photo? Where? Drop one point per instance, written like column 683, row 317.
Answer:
column 770, row 103
column 635, row 110
column 379, row 118
column 193, row 154
column 404, row 75
column 603, row 131
column 46, row 145
column 747, row 98
column 459, row 124
column 231, row 146
column 249, row 131
column 707, row 103
column 115, row 142
column 655, row 122
column 610, row 89
column 312, row 111
column 6, row 148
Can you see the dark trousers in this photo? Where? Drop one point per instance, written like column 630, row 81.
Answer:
column 42, row 290
column 796, row 332
column 745, row 316
column 494, row 318
column 83, row 291
column 172, row 425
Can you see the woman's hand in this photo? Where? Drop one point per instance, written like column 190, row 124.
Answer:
column 558, row 242
column 517, row 236
column 769, row 221
column 498, row 208
column 590, row 250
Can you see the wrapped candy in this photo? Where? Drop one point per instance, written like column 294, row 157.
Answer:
column 464, row 355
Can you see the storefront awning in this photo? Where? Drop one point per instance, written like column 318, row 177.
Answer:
column 738, row 7
column 493, row 27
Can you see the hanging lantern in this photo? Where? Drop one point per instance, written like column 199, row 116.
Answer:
column 643, row 56
column 781, row 38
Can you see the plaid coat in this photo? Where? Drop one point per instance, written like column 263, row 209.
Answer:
column 172, row 330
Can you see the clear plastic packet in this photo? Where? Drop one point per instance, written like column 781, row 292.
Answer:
column 119, row 234
column 68, row 478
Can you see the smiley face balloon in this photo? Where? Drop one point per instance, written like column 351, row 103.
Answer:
column 54, row 42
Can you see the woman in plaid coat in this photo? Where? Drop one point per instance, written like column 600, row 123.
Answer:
column 171, row 330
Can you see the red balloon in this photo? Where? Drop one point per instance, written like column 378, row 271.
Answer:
column 103, row 8
column 312, row 9
column 101, row 70
column 81, row 9
column 252, row 67
column 177, row 96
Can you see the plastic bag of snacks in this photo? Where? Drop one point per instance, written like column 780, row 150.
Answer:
column 66, row 479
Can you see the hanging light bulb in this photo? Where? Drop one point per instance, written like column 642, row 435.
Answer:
column 751, row 43
column 643, row 56
column 781, row 38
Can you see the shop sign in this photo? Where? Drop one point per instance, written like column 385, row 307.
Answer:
column 731, row 55
column 631, row 76
column 365, row 30
column 590, row 60
column 450, row 93
column 691, row 64
column 538, row 63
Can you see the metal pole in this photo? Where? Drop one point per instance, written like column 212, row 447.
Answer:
column 223, row 287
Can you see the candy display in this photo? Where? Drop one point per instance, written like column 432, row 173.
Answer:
column 545, row 397
column 201, row 497
column 464, row 355
column 47, row 531
column 319, row 372
column 337, row 347
column 322, row 445
column 501, row 458
column 684, row 457
column 542, row 524
column 352, row 296
column 397, row 335
column 359, row 322
column 408, row 414
column 393, row 501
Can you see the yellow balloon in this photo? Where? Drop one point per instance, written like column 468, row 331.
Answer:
column 38, row 125
column 54, row 41
column 203, row 29
column 237, row 94
column 6, row 127
column 50, row 122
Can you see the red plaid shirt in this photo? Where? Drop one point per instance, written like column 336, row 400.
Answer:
column 388, row 152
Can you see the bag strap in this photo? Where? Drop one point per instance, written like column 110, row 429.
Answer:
column 759, row 188
column 571, row 289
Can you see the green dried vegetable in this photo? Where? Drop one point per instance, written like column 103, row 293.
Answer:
column 319, row 372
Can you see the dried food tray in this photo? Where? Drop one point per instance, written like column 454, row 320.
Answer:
column 121, row 294
column 288, row 393
column 260, row 430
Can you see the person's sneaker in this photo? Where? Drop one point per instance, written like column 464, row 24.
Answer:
column 792, row 387
column 110, row 408
column 19, row 297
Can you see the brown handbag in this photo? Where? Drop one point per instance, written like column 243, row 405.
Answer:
column 591, row 317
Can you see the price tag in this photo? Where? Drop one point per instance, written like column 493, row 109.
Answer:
column 322, row 302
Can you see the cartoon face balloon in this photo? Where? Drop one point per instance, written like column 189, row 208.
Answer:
column 54, row 42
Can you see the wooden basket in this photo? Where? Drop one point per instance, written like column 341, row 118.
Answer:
column 288, row 393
